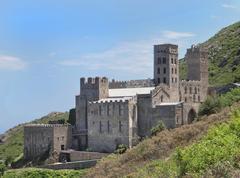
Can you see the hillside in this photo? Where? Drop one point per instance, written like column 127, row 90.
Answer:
column 224, row 56
column 13, row 138
column 153, row 153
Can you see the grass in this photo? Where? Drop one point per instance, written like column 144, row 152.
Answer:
column 43, row 173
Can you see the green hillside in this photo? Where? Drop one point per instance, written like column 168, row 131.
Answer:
column 224, row 56
column 13, row 138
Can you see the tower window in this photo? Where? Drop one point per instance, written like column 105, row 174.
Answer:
column 185, row 88
column 100, row 126
column 175, row 61
column 159, row 80
column 108, row 126
column 164, row 80
column 161, row 98
column 175, row 71
column 172, row 70
column 185, row 99
column 120, row 126
column 164, row 70
column 164, row 60
column 159, row 60
column 190, row 90
column 172, row 60
column 100, row 110
column 195, row 90
column 172, row 80
column 158, row 70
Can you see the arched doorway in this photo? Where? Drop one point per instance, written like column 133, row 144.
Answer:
column 191, row 116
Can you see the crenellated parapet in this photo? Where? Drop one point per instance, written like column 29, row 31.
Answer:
column 92, row 83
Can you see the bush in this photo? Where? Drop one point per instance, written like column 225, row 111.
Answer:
column 121, row 149
column 214, row 104
column 210, row 106
column 158, row 128
column 3, row 168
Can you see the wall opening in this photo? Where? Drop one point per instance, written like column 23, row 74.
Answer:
column 191, row 116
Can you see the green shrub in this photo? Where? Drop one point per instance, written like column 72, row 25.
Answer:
column 215, row 103
column 158, row 128
column 121, row 149
column 210, row 106
column 3, row 168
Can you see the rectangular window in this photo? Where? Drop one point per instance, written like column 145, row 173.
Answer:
column 108, row 126
column 172, row 60
column 158, row 70
column 159, row 80
column 100, row 110
column 164, row 80
column 175, row 71
column 172, row 80
column 120, row 110
column 159, row 60
column 164, row 70
column 108, row 110
column 120, row 126
column 100, row 126
column 172, row 70
column 164, row 60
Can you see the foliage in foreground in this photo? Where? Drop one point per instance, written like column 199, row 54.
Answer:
column 215, row 155
column 43, row 173
column 158, row 128
column 215, row 104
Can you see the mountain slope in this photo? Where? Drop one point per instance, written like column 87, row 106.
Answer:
column 224, row 56
column 12, row 146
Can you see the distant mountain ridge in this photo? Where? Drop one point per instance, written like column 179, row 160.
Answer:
column 224, row 56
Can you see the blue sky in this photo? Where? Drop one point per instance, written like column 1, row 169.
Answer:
column 47, row 45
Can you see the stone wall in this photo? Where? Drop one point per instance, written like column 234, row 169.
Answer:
column 131, row 83
column 42, row 138
column 109, row 125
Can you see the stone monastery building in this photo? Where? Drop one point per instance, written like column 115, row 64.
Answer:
column 110, row 113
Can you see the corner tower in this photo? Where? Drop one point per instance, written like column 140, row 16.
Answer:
column 197, row 64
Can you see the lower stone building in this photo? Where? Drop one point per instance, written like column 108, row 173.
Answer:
column 46, row 138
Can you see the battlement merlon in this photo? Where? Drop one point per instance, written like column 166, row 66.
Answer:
column 166, row 48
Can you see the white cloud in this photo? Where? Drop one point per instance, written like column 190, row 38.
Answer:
column 11, row 63
column 229, row 6
column 131, row 57
column 177, row 35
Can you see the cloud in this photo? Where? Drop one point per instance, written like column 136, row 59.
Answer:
column 134, row 57
column 11, row 63
column 177, row 35
column 229, row 6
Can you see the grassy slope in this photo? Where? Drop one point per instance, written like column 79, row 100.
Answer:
column 13, row 141
column 46, row 173
column 224, row 56
column 157, row 147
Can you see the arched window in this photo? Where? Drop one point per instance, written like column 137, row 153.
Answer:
column 161, row 98
column 172, row 70
column 185, row 89
column 190, row 90
column 195, row 89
